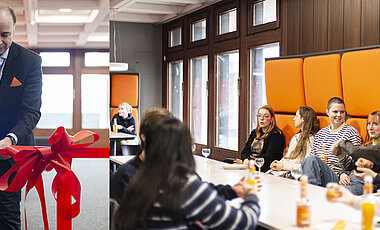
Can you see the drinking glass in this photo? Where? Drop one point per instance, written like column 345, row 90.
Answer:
column 259, row 161
column 206, row 152
column 297, row 172
column 333, row 192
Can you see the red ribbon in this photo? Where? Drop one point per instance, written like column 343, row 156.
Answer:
column 31, row 161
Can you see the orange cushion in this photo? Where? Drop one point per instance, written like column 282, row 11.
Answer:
column 284, row 84
column 322, row 80
column 124, row 88
column 286, row 124
column 359, row 124
column 135, row 114
column 324, row 121
column 360, row 79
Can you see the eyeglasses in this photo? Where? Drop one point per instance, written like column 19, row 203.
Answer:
column 374, row 124
column 265, row 116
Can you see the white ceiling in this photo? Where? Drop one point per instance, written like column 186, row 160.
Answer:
column 154, row 11
column 35, row 27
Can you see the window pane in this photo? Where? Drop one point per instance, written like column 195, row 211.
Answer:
column 227, row 21
column 227, row 101
column 175, row 88
column 198, row 99
column 264, row 12
column 56, row 59
column 198, row 30
column 257, row 88
column 97, row 59
column 175, row 37
column 57, row 101
column 94, row 99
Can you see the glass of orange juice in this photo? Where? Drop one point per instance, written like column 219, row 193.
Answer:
column 333, row 191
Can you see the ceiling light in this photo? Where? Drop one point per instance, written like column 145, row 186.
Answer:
column 118, row 67
column 65, row 10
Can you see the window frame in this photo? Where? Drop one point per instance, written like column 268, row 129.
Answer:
column 77, row 68
column 172, row 26
column 221, row 9
column 263, row 27
column 191, row 21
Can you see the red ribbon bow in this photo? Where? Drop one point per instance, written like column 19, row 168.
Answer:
column 31, row 161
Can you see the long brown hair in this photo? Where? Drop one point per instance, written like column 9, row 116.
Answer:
column 310, row 126
column 272, row 125
column 168, row 162
column 374, row 116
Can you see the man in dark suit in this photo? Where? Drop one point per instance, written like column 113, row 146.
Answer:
column 20, row 103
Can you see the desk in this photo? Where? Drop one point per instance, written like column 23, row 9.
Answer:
column 278, row 198
column 117, row 137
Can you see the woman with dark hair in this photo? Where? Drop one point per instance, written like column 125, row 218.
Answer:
column 300, row 145
column 266, row 140
column 166, row 193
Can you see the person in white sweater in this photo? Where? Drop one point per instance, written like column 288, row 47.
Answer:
column 300, row 145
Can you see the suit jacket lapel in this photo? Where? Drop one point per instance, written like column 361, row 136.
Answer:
column 9, row 68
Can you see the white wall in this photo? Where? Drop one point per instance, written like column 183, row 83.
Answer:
column 140, row 45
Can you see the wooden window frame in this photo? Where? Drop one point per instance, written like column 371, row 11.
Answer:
column 175, row 25
column 221, row 9
column 77, row 68
column 191, row 21
column 263, row 27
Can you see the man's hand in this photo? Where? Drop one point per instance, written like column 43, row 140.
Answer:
column 364, row 163
column 362, row 172
column 130, row 128
column 344, row 179
column 3, row 144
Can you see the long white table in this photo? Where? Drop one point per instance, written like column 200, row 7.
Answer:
column 278, row 198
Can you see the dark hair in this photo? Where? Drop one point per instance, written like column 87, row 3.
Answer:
column 150, row 116
column 374, row 116
column 272, row 125
column 334, row 100
column 168, row 163
column 310, row 127
column 11, row 11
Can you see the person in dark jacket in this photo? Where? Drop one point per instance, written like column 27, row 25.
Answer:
column 124, row 120
column 266, row 140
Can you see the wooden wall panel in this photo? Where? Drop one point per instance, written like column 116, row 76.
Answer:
column 351, row 23
column 307, row 26
column 370, row 23
column 293, row 27
column 335, row 25
column 320, row 25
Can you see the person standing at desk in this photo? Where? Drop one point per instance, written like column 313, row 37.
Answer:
column 20, row 103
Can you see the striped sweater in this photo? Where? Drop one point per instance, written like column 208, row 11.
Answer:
column 327, row 137
column 203, row 207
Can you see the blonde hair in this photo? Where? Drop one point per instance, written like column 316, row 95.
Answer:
column 374, row 116
column 127, row 106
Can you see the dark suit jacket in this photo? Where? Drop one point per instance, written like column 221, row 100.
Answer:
column 20, row 105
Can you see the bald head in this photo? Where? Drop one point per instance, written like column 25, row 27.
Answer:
column 10, row 10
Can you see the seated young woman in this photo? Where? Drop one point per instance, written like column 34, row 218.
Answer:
column 166, row 193
column 266, row 140
column 300, row 145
